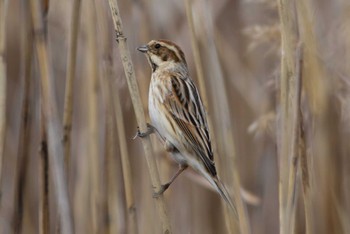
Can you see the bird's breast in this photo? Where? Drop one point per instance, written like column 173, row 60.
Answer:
column 156, row 107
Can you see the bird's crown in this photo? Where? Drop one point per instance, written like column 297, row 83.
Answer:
column 161, row 52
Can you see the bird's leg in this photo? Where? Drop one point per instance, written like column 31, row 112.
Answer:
column 150, row 130
column 169, row 147
column 164, row 187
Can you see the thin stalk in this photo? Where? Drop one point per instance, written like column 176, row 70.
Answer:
column 129, row 193
column 140, row 116
column 52, row 123
column 93, row 138
column 112, row 97
column 24, row 141
column 112, row 198
column 3, row 77
column 44, row 213
column 203, row 90
column 288, row 37
column 346, row 135
column 295, row 138
column 111, row 162
column 71, row 64
column 225, row 139
column 27, row 43
column 305, row 177
column 319, row 89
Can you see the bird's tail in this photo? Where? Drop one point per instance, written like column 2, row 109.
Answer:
column 224, row 194
column 219, row 187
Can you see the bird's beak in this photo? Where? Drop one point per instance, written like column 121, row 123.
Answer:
column 143, row 48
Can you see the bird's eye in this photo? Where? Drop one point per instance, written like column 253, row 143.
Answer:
column 157, row 46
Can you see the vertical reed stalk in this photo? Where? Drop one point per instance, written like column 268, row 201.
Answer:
column 44, row 215
column 325, row 145
column 346, row 135
column 51, row 119
column 140, row 116
column 305, row 177
column 3, row 77
column 295, row 141
column 68, row 98
column 225, row 139
column 93, row 138
column 129, row 193
column 111, row 162
column 203, row 90
column 27, row 43
column 112, row 198
column 285, row 126
column 24, row 140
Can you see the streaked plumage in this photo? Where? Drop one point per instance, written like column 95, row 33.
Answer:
column 177, row 112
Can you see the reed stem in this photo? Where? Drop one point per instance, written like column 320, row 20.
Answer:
column 52, row 123
column 140, row 116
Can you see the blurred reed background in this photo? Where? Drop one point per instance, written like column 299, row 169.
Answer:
column 275, row 79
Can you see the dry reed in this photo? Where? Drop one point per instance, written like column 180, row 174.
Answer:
column 3, row 76
column 288, row 108
column 92, row 97
column 26, row 118
column 224, row 135
column 51, row 120
column 71, row 66
column 113, row 103
column 129, row 192
column 111, row 160
column 140, row 116
column 201, row 80
column 326, row 143
column 43, row 214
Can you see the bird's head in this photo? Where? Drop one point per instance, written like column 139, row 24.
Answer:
column 162, row 52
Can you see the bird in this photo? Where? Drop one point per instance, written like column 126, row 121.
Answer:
column 178, row 115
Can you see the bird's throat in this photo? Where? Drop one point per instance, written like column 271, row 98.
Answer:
column 154, row 66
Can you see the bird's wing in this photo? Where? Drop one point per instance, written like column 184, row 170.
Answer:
column 186, row 109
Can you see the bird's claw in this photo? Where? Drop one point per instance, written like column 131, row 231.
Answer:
column 150, row 130
column 163, row 187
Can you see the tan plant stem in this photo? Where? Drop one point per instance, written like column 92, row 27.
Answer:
column 319, row 86
column 288, row 39
column 129, row 193
column 93, row 139
column 3, row 77
column 71, row 64
column 305, row 177
column 52, row 123
column 140, row 116
column 26, row 117
column 295, row 140
column 224, row 128
column 44, row 213
column 112, row 162
column 203, row 90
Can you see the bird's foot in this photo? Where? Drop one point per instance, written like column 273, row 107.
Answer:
column 150, row 130
column 169, row 147
column 163, row 188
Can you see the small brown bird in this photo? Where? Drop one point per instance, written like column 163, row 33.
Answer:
column 177, row 114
